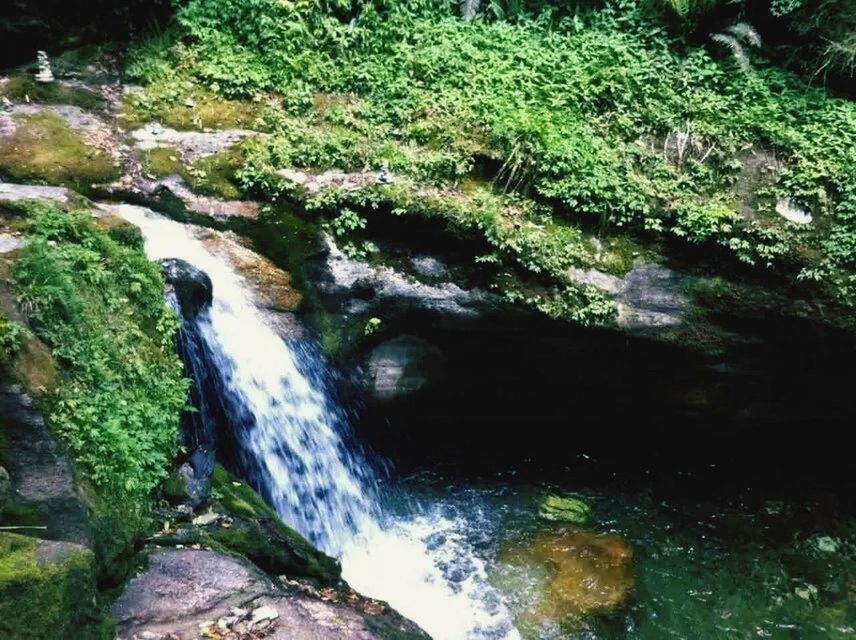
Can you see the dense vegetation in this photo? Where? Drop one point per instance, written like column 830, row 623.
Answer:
column 98, row 304
column 541, row 133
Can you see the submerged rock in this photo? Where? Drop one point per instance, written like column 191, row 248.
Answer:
column 578, row 572
column 564, row 509
column 192, row 287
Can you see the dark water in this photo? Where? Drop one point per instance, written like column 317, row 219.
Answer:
column 715, row 554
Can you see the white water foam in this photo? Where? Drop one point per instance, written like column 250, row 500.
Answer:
column 422, row 564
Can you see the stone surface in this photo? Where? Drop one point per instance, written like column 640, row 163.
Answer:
column 648, row 296
column 192, row 287
column 41, row 476
column 207, row 206
column 183, row 592
column 380, row 283
column 192, row 144
column 402, row 365
column 15, row 192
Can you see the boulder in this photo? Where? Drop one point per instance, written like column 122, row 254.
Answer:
column 192, row 287
column 185, row 593
column 47, row 589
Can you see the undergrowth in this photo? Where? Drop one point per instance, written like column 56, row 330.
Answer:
column 600, row 123
column 99, row 306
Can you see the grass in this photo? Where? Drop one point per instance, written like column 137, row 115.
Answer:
column 44, row 148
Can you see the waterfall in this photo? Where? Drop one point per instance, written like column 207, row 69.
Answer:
column 294, row 447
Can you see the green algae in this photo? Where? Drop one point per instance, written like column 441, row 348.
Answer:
column 214, row 175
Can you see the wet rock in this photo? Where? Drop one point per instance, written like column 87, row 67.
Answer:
column 580, row 572
column 402, row 365
column 10, row 242
column 192, row 287
column 212, row 207
column 15, row 192
column 5, row 488
column 188, row 592
column 313, row 184
column 184, row 485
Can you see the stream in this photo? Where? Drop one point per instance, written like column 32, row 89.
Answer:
column 469, row 556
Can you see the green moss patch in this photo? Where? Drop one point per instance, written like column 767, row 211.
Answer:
column 47, row 590
column 44, row 148
column 187, row 108
column 20, row 88
column 215, row 175
column 259, row 534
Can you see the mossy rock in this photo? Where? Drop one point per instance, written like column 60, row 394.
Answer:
column 258, row 534
column 214, row 175
column 569, row 508
column 45, row 148
column 47, row 590
column 207, row 111
column 20, row 88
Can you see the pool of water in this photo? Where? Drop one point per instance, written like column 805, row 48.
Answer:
column 667, row 554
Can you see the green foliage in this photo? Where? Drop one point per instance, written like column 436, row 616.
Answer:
column 11, row 334
column 592, row 123
column 99, row 306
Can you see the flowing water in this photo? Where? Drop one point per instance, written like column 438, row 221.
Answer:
column 712, row 557
column 295, row 449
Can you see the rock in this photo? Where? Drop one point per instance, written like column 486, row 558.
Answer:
column 792, row 213
column 43, row 490
column 190, row 592
column 192, row 144
column 649, row 296
column 161, row 190
column 564, row 509
column 206, row 518
column 44, row 74
column 5, row 488
column 186, row 484
column 400, row 366
column 16, row 192
column 349, row 275
column 47, row 588
column 192, row 287
column 10, row 242
column 580, row 573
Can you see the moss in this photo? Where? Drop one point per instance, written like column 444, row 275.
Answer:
column 214, row 175
column 258, row 534
column 20, row 88
column 207, row 111
column 45, row 148
column 47, row 592
column 24, row 515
